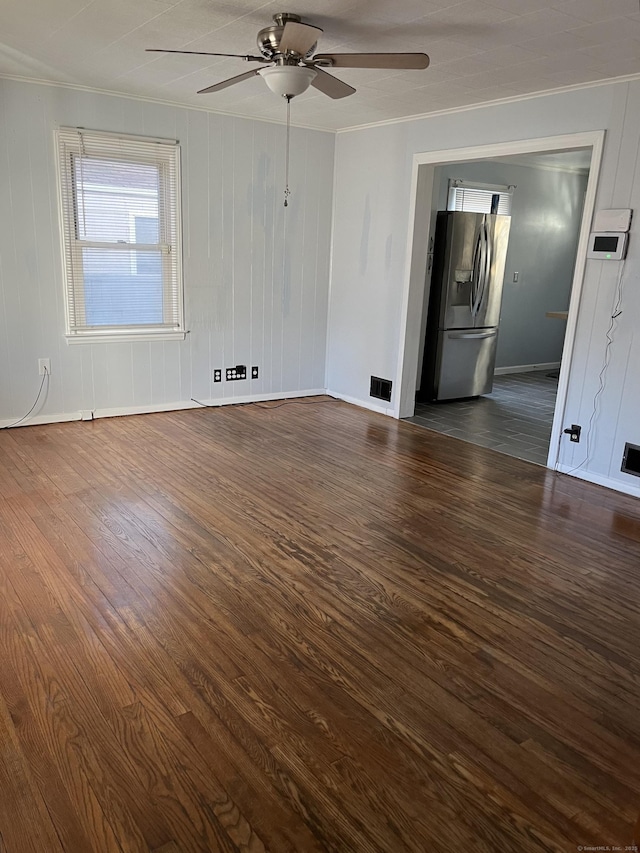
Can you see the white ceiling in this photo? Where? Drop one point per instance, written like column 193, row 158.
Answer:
column 481, row 50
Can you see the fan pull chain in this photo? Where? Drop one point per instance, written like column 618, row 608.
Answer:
column 287, row 191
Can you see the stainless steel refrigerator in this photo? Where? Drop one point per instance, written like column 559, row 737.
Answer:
column 464, row 305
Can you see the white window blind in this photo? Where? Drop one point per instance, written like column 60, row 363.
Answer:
column 476, row 198
column 120, row 199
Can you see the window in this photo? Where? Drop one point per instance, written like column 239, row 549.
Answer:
column 476, row 198
column 121, row 232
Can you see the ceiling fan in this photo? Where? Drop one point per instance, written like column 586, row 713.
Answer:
column 286, row 52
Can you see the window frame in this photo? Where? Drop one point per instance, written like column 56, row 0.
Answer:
column 163, row 153
column 490, row 189
column 133, row 216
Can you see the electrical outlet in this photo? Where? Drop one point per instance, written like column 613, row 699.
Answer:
column 217, row 375
column 44, row 366
column 254, row 371
column 237, row 372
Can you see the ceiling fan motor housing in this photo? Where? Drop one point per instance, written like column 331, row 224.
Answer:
column 269, row 38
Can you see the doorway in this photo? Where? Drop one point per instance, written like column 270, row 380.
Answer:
column 543, row 196
column 514, row 418
column 525, row 385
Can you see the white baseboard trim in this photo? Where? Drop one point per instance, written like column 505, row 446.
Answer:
column 164, row 407
column 364, row 404
column 262, row 398
column 122, row 411
column 601, row 480
column 526, row 368
column 41, row 419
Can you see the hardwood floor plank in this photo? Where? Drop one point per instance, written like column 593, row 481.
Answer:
column 262, row 802
column 37, row 711
column 147, row 647
column 25, row 823
column 177, row 788
column 311, row 629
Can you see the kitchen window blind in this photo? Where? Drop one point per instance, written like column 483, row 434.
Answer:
column 476, row 198
column 120, row 198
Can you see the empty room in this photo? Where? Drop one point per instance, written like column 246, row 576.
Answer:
column 319, row 426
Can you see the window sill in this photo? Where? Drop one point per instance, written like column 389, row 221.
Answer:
column 124, row 338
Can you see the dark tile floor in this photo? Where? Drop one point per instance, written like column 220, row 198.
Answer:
column 514, row 419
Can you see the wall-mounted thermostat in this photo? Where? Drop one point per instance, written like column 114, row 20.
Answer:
column 613, row 220
column 608, row 245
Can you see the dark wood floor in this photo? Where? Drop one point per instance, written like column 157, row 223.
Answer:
column 310, row 629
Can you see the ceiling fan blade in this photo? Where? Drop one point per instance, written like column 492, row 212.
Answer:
column 298, row 38
column 374, row 60
column 231, row 81
column 244, row 56
column 330, row 85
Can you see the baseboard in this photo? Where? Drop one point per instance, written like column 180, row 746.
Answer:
column 121, row 411
column 41, row 419
column 526, row 368
column 364, row 404
column 165, row 407
column 262, row 398
column 600, row 480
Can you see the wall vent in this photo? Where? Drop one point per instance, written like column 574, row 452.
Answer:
column 381, row 388
column 631, row 459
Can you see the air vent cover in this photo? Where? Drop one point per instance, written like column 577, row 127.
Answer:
column 631, row 459
column 381, row 388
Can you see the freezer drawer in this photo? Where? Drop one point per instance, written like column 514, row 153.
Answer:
column 465, row 362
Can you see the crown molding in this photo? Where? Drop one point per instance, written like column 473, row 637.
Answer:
column 145, row 99
column 610, row 81
column 629, row 78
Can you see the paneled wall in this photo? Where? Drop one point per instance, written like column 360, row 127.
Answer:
column 373, row 190
column 255, row 274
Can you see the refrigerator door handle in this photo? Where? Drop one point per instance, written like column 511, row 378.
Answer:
column 475, row 273
column 485, row 268
column 487, row 264
column 475, row 336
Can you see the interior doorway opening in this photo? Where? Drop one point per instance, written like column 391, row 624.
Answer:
column 540, row 199
column 553, row 184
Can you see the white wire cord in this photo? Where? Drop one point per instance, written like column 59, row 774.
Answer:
column 256, row 404
column 45, row 377
column 615, row 313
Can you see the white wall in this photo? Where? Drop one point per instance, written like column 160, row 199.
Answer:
column 373, row 187
column 545, row 223
column 256, row 276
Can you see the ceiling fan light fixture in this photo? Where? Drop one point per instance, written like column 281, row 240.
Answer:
column 288, row 80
